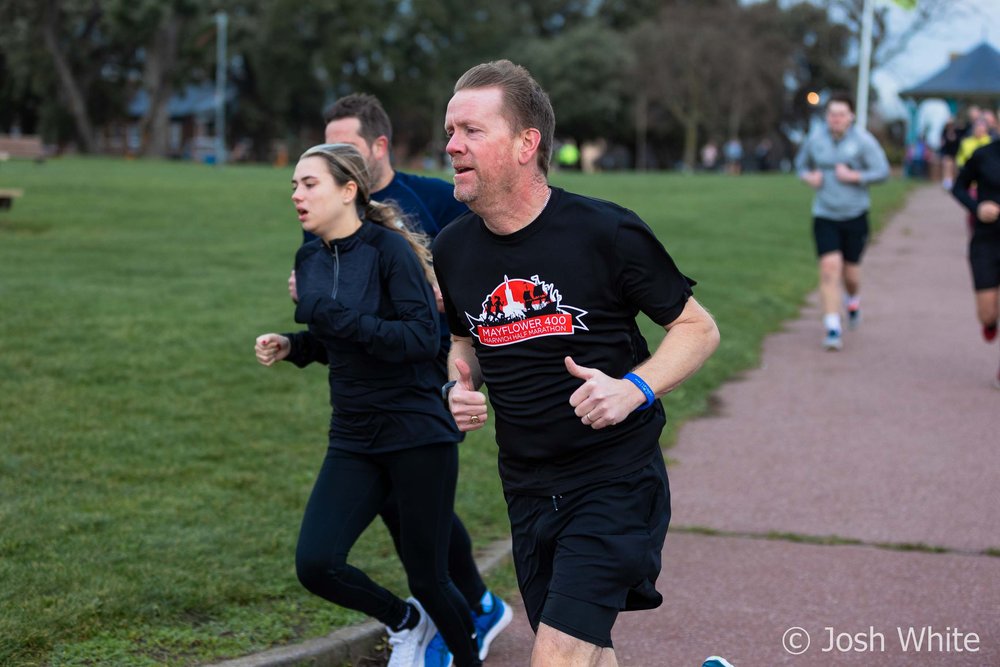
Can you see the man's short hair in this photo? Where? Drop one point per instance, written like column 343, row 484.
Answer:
column 842, row 97
column 369, row 112
column 525, row 104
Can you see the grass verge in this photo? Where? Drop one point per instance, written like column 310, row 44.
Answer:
column 152, row 475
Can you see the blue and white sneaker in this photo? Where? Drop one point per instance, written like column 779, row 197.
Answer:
column 495, row 617
column 716, row 661
column 437, row 653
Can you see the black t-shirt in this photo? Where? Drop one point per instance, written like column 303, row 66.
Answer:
column 570, row 283
column 982, row 169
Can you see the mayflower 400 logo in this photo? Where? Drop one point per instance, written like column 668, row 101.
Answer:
column 519, row 309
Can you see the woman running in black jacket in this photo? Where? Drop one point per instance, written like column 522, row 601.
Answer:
column 365, row 294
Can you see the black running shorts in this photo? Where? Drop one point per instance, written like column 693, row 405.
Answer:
column 847, row 236
column 984, row 258
column 583, row 556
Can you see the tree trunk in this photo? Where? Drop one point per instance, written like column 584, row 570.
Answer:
column 439, row 141
column 161, row 57
column 690, row 142
column 736, row 114
column 641, row 130
column 70, row 87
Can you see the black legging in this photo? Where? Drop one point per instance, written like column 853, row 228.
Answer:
column 461, row 565
column 349, row 492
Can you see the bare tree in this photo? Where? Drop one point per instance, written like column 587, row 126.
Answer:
column 70, row 85
column 676, row 62
column 758, row 57
column 158, row 75
column 710, row 66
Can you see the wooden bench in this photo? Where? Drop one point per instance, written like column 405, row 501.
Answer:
column 26, row 146
column 7, row 197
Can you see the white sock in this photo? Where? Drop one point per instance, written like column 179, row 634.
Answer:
column 832, row 321
column 853, row 302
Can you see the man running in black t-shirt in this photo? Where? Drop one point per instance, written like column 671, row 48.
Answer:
column 572, row 383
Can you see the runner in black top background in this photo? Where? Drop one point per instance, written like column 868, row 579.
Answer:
column 983, row 171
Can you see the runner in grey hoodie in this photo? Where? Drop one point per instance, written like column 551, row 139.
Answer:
column 840, row 161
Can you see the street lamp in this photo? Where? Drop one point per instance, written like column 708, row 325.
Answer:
column 864, row 64
column 221, row 21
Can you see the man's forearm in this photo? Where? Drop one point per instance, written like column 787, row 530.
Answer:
column 690, row 341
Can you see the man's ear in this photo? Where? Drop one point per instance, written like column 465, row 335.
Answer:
column 531, row 140
column 380, row 147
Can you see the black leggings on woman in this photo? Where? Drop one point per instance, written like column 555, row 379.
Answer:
column 350, row 490
column 461, row 564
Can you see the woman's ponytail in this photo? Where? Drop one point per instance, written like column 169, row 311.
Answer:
column 389, row 215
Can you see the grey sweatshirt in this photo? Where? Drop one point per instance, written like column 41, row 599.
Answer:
column 859, row 150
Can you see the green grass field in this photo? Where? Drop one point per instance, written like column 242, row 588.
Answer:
column 152, row 474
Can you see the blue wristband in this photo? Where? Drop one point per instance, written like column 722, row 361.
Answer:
column 643, row 387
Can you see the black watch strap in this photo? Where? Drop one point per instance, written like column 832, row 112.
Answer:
column 445, row 389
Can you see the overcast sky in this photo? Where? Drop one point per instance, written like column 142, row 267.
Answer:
column 967, row 24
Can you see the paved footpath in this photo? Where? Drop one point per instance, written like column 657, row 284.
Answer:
column 792, row 505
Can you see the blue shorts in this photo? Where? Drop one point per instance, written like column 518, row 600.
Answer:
column 583, row 556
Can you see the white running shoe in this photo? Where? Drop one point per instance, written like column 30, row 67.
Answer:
column 833, row 341
column 408, row 646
